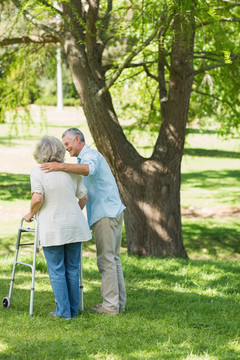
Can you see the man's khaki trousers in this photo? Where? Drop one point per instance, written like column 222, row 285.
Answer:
column 108, row 236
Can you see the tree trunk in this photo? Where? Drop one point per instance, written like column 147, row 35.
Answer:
column 150, row 188
column 153, row 220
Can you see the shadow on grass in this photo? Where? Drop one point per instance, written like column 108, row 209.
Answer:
column 8, row 244
column 208, row 132
column 211, row 153
column 14, row 140
column 171, row 272
column 14, row 186
column 201, row 131
column 212, row 236
column 210, row 179
column 203, row 152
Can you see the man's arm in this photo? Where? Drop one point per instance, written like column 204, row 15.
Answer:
column 36, row 203
column 80, row 169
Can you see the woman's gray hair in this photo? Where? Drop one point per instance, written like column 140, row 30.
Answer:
column 49, row 149
column 72, row 133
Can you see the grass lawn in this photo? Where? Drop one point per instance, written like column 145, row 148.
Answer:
column 176, row 309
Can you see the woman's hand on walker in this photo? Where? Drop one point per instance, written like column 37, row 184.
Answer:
column 28, row 217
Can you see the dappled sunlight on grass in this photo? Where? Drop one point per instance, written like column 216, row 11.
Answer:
column 212, row 238
column 175, row 308
column 3, row 347
column 14, row 186
column 212, row 180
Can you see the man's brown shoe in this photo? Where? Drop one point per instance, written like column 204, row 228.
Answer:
column 99, row 309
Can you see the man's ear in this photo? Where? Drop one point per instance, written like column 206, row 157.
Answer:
column 78, row 139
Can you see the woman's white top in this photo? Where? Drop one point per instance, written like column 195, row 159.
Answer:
column 60, row 219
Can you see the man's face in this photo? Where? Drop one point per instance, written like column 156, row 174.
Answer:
column 72, row 146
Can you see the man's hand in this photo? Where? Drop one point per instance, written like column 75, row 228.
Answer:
column 51, row 166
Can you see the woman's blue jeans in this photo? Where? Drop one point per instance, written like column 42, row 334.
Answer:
column 63, row 269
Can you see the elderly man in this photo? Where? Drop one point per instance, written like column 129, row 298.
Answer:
column 105, row 216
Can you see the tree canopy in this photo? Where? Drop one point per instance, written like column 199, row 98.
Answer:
column 29, row 30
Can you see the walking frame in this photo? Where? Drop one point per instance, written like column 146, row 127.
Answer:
column 6, row 302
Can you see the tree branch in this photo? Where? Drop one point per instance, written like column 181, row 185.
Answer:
column 210, row 67
column 151, row 106
column 91, row 19
column 105, row 23
column 148, row 72
column 221, row 20
column 29, row 39
column 129, row 59
column 217, row 98
column 208, row 56
column 214, row 66
column 36, row 22
column 229, row 2
column 52, row 7
column 131, row 65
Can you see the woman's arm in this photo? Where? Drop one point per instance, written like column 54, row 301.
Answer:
column 36, row 203
column 82, row 202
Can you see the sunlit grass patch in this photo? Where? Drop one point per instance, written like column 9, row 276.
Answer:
column 208, row 182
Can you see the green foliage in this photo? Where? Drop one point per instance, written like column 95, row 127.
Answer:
column 26, row 79
column 214, row 95
column 28, row 72
column 20, row 73
column 136, row 101
column 47, row 84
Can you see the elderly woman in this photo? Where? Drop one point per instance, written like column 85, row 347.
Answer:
column 61, row 224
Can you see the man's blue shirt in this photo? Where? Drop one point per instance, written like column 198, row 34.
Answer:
column 103, row 194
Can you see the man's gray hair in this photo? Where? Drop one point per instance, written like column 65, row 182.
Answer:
column 49, row 149
column 72, row 133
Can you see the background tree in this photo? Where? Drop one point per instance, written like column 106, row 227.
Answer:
column 170, row 43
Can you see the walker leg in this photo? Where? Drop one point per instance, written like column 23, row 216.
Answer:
column 33, row 273
column 81, row 281
column 7, row 300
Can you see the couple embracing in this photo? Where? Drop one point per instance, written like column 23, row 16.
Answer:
column 55, row 186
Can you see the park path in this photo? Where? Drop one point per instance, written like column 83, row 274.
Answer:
column 215, row 212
